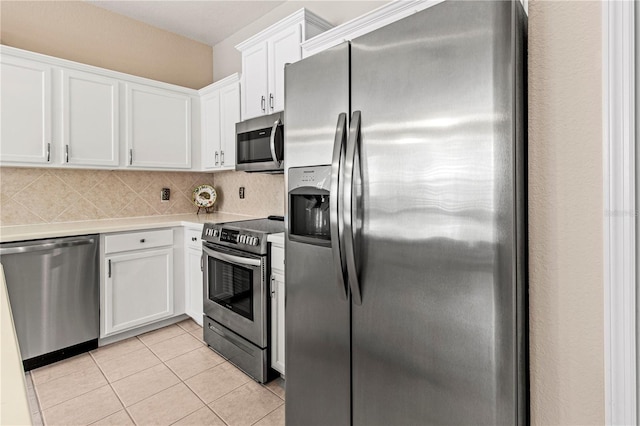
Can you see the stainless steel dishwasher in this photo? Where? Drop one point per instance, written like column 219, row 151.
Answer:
column 54, row 291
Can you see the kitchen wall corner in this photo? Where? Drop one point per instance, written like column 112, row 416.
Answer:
column 264, row 193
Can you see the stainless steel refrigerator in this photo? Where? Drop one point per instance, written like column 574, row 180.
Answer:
column 406, row 267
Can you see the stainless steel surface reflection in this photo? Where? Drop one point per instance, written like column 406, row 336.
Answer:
column 439, row 226
column 429, row 218
column 54, row 291
column 317, row 312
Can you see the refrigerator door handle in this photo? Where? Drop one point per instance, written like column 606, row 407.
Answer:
column 350, row 207
column 336, row 216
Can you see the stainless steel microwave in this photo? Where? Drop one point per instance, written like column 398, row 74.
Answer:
column 260, row 144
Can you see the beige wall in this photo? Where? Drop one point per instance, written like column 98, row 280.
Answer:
column 81, row 32
column 566, row 213
column 227, row 59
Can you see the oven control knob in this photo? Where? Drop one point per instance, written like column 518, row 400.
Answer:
column 242, row 238
column 255, row 241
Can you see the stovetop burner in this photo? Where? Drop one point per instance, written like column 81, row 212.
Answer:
column 245, row 235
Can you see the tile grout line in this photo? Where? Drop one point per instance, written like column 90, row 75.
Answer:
column 112, row 390
column 269, row 389
column 261, row 418
column 35, row 395
column 66, row 400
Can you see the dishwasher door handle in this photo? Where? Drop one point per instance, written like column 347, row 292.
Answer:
column 45, row 246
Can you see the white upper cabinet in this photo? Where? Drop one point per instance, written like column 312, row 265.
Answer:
column 220, row 111
column 158, row 127
column 26, row 115
column 60, row 113
column 255, row 81
column 283, row 48
column 89, row 119
column 264, row 56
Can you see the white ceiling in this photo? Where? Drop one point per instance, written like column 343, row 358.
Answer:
column 207, row 21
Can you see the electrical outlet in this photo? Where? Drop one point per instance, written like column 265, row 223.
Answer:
column 165, row 194
column 241, row 192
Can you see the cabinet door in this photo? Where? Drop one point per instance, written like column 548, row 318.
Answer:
column 210, row 106
column 284, row 47
column 138, row 289
column 229, row 116
column 25, row 102
column 277, row 322
column 158, row 128
column 89, row 119
column 254, row 81
column 194, row 284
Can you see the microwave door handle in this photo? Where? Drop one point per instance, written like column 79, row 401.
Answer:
column 272, row 144
column 336, row 216
column 351, row 207
column 237, row 260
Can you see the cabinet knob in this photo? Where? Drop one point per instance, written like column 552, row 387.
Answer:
column 194, row 239
column 142, row 240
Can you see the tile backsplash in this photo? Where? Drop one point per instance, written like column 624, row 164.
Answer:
column 39, row 195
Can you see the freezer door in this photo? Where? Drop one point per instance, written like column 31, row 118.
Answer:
column 316, row 312
column 435, row 338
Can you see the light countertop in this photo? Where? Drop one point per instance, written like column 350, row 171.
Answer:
column 14, row 408
column 68, row 229
column 276, row 238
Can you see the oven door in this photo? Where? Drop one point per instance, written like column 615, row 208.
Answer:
column 235, row 291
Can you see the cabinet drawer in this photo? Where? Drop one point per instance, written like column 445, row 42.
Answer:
column 138, row 240
column 192, row 236
column 277, row 259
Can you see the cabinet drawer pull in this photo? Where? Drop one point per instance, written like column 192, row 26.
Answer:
column 131, row 156
column 271, row 100
column 262, row 103
column 48, row 152
column 109, row 268
column 66, row 153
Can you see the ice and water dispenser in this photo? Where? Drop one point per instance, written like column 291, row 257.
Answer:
column 309, row 204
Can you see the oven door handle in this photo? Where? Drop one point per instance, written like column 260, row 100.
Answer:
column 243, row 261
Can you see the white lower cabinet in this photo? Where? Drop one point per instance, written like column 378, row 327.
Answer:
column 193, row 274
column 138, row 280
column 277, row 304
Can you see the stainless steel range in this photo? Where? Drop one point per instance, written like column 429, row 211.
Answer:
column 236, row 309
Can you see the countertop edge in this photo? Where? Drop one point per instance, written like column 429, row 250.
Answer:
column 13, row 395
column 68, row 229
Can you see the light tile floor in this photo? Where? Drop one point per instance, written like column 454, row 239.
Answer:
column 167, row 376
